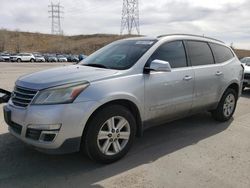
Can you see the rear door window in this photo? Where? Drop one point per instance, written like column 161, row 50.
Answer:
column 199, row 53
column 221, row 53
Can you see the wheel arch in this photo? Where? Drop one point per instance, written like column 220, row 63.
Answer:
column 235, row 86
column 131, row 106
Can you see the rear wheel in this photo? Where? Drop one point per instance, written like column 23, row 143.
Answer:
column 18, row 60
column 226, row 106
column 110, row 134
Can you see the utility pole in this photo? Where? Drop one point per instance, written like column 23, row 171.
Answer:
column 55, row 15
column 130, row 17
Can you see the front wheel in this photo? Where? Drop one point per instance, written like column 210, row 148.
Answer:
column 110, row 134
column 32, row 60
column 226, row 106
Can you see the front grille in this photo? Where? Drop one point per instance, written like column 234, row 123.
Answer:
column 33, row 134
column 247, row 76
column 15, row 127
column 22, row 96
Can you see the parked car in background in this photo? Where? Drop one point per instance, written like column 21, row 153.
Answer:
column 73, row 58
column 5, row 56
column 81, row 57
column 245, row 60
column 46, row 57
column 39, row 58
column 100, row 105
column 52, row 58
column 61, row 58
column 1, row 59
column 246, row 63
column 23, row 57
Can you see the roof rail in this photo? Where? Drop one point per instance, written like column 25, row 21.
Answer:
column 190, row 35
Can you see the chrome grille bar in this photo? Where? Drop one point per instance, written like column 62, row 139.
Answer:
column 22, row 97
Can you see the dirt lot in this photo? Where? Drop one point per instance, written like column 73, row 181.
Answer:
column 193, row 152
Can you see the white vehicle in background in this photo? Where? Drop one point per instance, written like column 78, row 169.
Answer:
column 5, row 57
column 39, row 58
column 246, row 63
column 23, row 57
column 61, row 58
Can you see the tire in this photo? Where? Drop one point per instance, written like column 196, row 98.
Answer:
column 32, row 60
column 225, row 108
column 93, row 143
column 243, row 88
column 19, row 60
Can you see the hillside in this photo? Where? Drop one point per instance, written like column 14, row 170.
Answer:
column 15, row 41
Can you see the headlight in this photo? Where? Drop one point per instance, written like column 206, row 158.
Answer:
column 60, row 95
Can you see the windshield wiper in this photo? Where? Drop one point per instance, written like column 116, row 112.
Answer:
column 96, row 65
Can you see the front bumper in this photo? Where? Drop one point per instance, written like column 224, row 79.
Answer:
column 72, row 118
column 246, row 83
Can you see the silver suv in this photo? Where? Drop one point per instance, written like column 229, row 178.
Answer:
column 101, row 104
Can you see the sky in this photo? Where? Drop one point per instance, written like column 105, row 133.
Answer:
column 227, row 20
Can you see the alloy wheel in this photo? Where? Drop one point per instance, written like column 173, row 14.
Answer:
column 229, row 105
column 113, row 135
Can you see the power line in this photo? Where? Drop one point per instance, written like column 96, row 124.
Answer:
column 130, row 17
column 55, row 15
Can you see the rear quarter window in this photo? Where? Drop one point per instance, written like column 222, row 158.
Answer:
column 221, row 53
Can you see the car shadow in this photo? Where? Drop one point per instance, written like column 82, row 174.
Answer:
column 25, row 167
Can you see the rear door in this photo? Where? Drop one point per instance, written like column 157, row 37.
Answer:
column 169, row 94
column 208, row 75
column 24, row 57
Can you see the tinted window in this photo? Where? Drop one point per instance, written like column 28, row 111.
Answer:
column 199, row 53
column 247, row 60
column 221, row 53
column 173, row 52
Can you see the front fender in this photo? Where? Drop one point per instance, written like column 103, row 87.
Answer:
column 124, row 96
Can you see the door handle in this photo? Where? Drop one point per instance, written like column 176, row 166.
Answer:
column 218, row 73
column 187, row 78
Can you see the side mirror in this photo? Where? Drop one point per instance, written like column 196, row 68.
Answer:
column 159, row 66
column 4, row 96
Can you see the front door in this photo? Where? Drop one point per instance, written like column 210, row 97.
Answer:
column 169, row 94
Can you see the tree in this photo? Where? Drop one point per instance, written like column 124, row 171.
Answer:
column 3, row 40
column 17, row 44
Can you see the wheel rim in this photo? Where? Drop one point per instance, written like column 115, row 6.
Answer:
column 113, row 135
column 229, row 105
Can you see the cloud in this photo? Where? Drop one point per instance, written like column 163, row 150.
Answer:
column 227, row 20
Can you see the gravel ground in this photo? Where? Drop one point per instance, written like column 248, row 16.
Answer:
column 193, row 152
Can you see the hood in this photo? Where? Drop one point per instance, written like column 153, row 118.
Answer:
column 64, row 75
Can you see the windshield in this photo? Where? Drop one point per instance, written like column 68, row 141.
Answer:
column 245, row 60
column 119, row 55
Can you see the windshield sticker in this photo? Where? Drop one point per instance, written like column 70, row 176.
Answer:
column 145, row 42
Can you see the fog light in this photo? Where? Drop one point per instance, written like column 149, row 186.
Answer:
column 48, row 137
column 48, row 127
